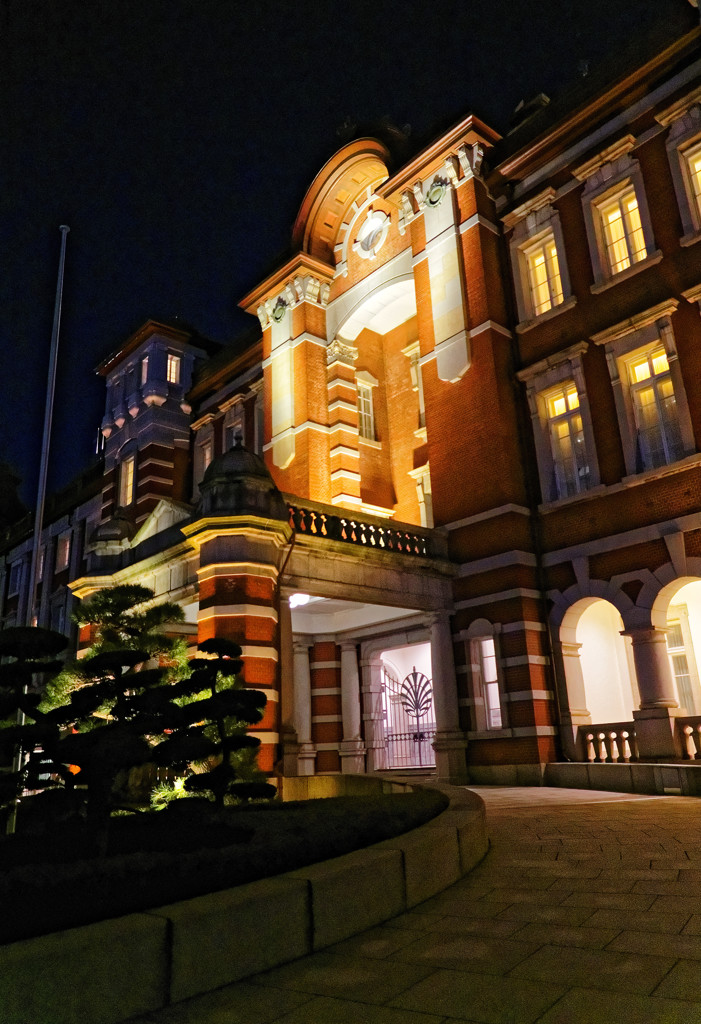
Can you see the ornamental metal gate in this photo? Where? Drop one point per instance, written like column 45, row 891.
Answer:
column 410, row 721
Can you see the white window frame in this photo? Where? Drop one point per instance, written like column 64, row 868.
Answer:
column 127, row 480
column 679, row 615
column 173, row 367
column 541, row 380
column 534, row 223
column 482, row 693
column 609, row 174
column 622, row 344
column 144, row 370
column 422, row 478
column 234, row 422
column 684, row 121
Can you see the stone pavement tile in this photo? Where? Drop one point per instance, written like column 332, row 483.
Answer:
column 680, row 888
column 689, row 874
column 670, row 924
column 415, row 920
column 235, row 1004
column 643, row 874
column 683, row 982
column 493, row 927
column 462, row 952
column 615, row 901
column 554, row 915
column 322, row 1010
column 507, row 895
column 376, row 943
column 561, row 869
column 675, row 904
column 614, row 883
column 468, row 907
column 480, row 886
column 587, row 1006
column 693, row 925
column 562, row 935
column 686, row 946
column 472, row 997
column 623, row 972
column 345, row 977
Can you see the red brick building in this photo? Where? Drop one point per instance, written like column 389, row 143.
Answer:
column 448, row 497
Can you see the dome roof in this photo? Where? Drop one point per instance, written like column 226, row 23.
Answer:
column 239, row 483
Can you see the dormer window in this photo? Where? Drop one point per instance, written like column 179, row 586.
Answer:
column 144, row 370
column 173, row 369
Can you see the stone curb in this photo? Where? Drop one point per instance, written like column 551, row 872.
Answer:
column 108, row 972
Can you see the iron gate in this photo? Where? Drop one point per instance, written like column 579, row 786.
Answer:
column 410, row 725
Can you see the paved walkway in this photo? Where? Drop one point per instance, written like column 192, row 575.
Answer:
column 587, row 910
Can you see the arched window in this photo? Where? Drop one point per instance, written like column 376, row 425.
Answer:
column 485, row 676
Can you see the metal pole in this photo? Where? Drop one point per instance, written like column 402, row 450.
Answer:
column 41, row 492
column 46, row 437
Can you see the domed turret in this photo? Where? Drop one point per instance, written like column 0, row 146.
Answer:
column 239, row 483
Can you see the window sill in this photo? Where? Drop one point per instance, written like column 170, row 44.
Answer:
column 690, row 239
column 658, row 471
column 527, row 325
column 651, row 261
column 370, row 443
column 548, row 506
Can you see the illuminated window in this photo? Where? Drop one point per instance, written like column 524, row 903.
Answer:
column 206, row 454
column 544, row 280
column 366, row 417
column 622, row 229
column 485, row 688
column 682, row 661
column 144, row 370
column 63, row 551
column 571, row 466
column 126, row 480
column 173, row 369
column 693, row 163
column 538, row 261
column 683, row 121
column 654, row 403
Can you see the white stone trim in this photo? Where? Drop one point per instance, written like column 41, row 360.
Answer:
column 505, row 558
column 630, row 538
column 524, row 626
column 322, row 719
column 206, row 572
column 345, row 474
column 491, row 513
column 526, row 659
column 340, row 403
column 326, row 691
column 503, row 595
column 527, row 695
column 476, row 219
column 343, row 449
column 218, row 611
column 253, row 651
column 313, row 339
column 535, row 730
column 490, row 325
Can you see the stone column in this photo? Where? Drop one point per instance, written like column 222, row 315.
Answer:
column 373, row 714
column 302, row 710
column 352, row 749
column 288, row 737
column 574, row 710
column 654, row 722
column 450, row 742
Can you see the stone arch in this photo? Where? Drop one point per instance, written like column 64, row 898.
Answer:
column 564, row 618
column 391, row 301
column 676, row 611
column 355, row 170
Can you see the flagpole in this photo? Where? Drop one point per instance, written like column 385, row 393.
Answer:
column 46, row 437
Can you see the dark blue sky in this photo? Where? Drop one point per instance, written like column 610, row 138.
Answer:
column 177, row 138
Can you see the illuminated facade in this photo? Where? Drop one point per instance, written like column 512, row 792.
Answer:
column 447, row 498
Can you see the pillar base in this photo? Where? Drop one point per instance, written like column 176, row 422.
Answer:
column 297, row 758
column 306, row 759
column 352, row 757
column 655, row 734
column 451, row 760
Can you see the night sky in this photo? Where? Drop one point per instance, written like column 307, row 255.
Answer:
column 177, row 138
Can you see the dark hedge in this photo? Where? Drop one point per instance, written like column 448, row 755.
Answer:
column 183, row 852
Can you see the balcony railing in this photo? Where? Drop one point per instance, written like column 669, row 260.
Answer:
column 689, row 737
column 352, row 530
column 610, row 743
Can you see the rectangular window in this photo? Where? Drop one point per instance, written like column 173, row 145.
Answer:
column 570, row 463
column 655, row 408
column 622, row 229
column 693, row 163
column 680, row 651
column 15, row 578
column 206, row 454
column 173, row 369
column 40, row 562
column 126, row 480
column 232, row 433
column 544, row 280
column 63, row 551
column 366, row 418
column 484, row 660
column 144, row 370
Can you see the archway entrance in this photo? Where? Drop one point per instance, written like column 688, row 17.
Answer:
column 683, row 628
column 407, row 705
column 598, row 664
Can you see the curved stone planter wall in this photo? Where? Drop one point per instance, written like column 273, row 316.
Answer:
column 107, row 972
